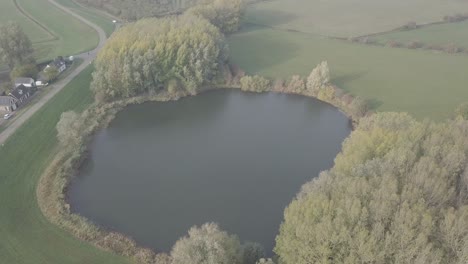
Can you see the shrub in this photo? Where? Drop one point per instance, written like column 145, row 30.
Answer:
column 26, row 70
column 254, row 83
column 296, row 85
column 414, row 45
column 207, row 244
column 394, row 44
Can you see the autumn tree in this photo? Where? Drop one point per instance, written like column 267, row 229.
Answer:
column 15, row 46
column 207, row 245
column 26, row 70
column 145, row 56
column 319, row 78
column 51, row 73
column 255, row 83
column 225, row 14
column 398, row 193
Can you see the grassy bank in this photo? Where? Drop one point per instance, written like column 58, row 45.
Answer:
column 27, row 237
column 423, row 83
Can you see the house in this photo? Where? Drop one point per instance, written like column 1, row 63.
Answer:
column 58, row 63
column 21, row 94
column 27, row 82
column 8, row 103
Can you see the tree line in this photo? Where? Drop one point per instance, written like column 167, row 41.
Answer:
column 398, row 193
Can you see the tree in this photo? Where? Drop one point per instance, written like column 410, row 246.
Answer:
column 252, row 252
column 26, row 70
column 255, row 83
column 398, row 193
column 319, row 78
column 152, row 53
column 207, row 245
column 265, row 261
column 225, row 14
column 51, row 73
column 15, row 46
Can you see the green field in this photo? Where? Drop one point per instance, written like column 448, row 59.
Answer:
column 97, row 17
column 345, row 18
column 9, row 12
column 58, row 33
column 441, row 34
column 26, row 236
column 423, row 83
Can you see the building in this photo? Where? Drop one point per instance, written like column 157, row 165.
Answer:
column 8, row 103
column 21, row 94
column 27, row 82
column 58, row 63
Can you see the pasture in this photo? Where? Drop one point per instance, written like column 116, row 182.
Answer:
column 440, row 34
column 27, row 237
column 424, row 83
column 348, row 18
column 52, row 31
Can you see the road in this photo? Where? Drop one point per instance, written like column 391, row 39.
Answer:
column 59, row 85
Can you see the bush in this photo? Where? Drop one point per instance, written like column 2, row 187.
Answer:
column 27, row 70
column 296, row 85
column 255, row 84
column 207, row 244
column 394, row 44
column 414, row 45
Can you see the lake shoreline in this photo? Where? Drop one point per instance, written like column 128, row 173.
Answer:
column 52, row 187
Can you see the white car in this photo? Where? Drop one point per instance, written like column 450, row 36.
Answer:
column 7, row 116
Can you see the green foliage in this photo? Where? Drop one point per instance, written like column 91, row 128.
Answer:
column 252, row 252
column 206, row 245
column 255, row 83
column 51, row 73
column 15, row 46
column 69, row 128
column 225, row 14
column 26, row 70
column 319, row 78
column 398, row 193
column 144, row 56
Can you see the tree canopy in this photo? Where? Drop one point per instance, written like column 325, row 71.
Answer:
column 225, row 14
column 15, row 46
column 398, row 193
column 151, row 53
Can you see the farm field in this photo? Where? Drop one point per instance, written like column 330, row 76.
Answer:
column 27, row 237
column 58, row 33
column 9, row 12
column 423, row 83
column 441, row 34
column 347, row 18
column 97, row 17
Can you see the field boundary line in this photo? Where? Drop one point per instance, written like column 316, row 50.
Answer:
column 35, row 21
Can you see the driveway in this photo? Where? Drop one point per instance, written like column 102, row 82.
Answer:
column 58, row 86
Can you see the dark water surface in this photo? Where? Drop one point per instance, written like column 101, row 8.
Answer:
column 234, row 158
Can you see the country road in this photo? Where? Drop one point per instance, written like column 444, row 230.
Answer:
column 58, row 86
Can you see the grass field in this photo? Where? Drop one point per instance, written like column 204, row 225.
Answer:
column 9, row 12
column 52, row 31
column 423, row 83
column 441, row 34
column 345, row 18
column 26, row 236
column 97, row 17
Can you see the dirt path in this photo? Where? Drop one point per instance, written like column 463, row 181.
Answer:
column 58, row 86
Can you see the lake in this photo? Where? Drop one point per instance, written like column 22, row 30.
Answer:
column 234, row 158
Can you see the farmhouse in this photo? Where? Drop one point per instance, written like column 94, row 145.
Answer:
column 8, row 103
column 21, row 94
column 58, row 63
column 27, row 82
